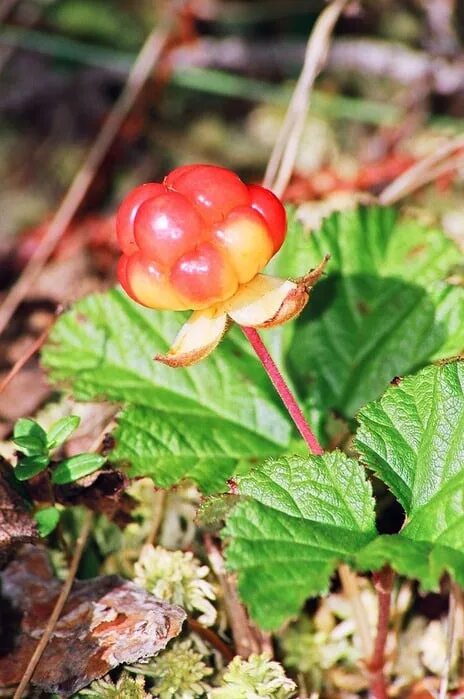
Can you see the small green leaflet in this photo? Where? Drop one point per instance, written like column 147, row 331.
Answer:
column 178, row 423
column 30, row 466
column 61, row 430
column 47, row 519
column 29, row 436
column 413, row 438
column 383, row 310
column 301, row 516
column 76, row 467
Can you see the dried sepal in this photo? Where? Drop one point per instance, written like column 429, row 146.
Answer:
column 197, row 338
column 309, row 280
column 269, row 301
column 266, row 301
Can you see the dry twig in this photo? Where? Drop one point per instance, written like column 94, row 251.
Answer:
column 350, row 587
column 212, row 638
column 246, row 637
column 454, row 601
column 158, row 512
column 31, row 350
column 423, row 172
column 143, row 67
column 66, row 589
column 282, row 160
column 58, row 608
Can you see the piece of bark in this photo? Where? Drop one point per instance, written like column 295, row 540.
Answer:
column 106, row 621
column 16, row 525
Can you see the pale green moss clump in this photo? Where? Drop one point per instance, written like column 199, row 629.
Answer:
column 257, row 677
column 126, row 687
column 177, row 672
column 178, row 578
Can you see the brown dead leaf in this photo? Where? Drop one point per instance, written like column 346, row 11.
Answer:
column 426, row 688
column 106, row 621
column 23, row 395
column 65, row 281
column 16, row 526
column 103, row 492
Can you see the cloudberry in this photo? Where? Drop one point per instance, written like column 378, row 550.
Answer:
column 193, row 240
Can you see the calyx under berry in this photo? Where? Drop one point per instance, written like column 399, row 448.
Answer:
column 199, row 240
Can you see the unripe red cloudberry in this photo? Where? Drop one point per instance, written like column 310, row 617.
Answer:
column 193, row 240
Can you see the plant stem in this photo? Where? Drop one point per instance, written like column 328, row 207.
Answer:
column 158, row 514
column 282, row 160
column 454, row 601
column 30, row 351
column 349, row 583
column 283, row 390
column 59, row 605
column 247, row 638
column 383, row 583
column 211, row 637
column 347, row 577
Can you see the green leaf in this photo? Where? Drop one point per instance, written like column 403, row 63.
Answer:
column 61, row 430
column 413, row 438
column 383, row 309
column 178, row 423
column 29, row 436
column 76, row 467
column 300, row 517
column 30, row 466
column 47, row 519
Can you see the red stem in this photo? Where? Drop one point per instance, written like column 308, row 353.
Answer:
column 283, row 390
column 383, row 579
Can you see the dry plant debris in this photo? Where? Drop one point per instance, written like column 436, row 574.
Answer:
column 107, row 621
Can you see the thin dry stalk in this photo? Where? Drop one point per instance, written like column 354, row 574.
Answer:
column 158, row 513
column 301, row 682
column 384, row 580
column 419, row 174
column 143, row 67
column 58, row 608
column 350, row 587
column 65, row 590
column 445, row 168
column 283, row 156
column 211, row 637
column 246, row 639
column 31, row 350
column 454, row 600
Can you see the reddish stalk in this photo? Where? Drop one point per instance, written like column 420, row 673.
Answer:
column 247, row 638
column 383, row 579
column 211, row 637
column 31, row 350
column 288, row 399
